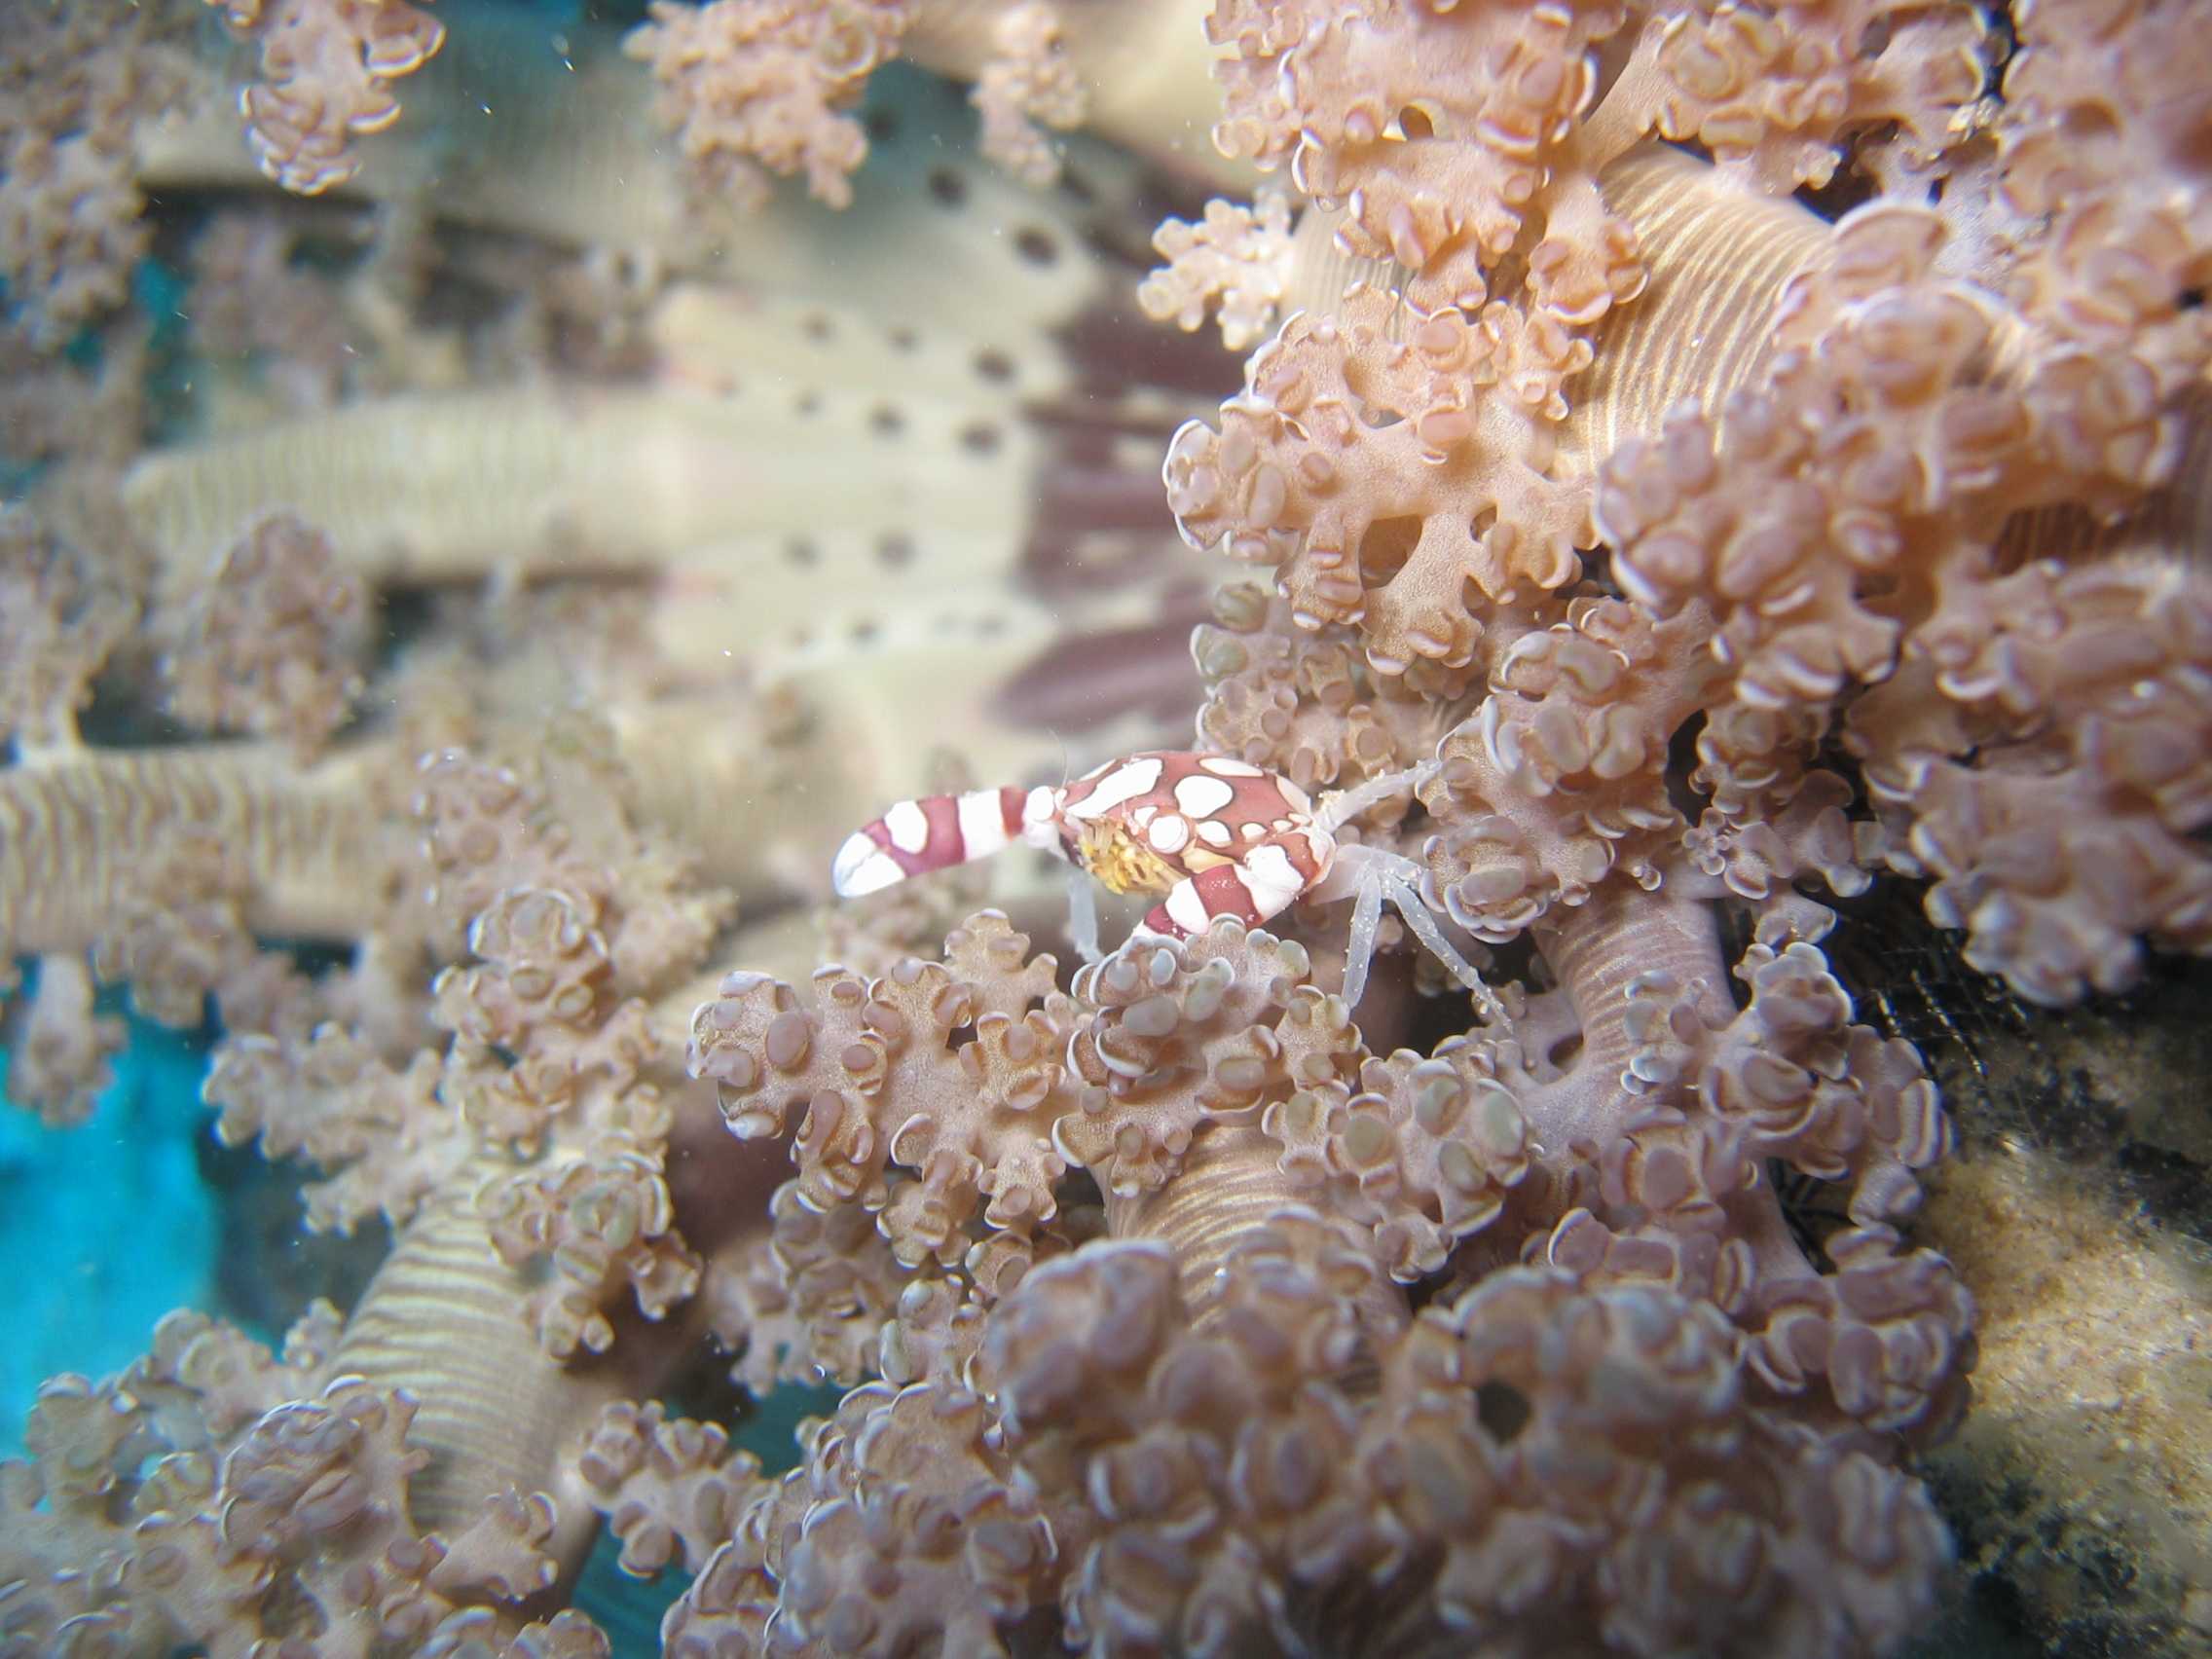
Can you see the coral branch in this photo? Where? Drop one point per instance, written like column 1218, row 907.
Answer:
column 755, row 88
column 327, row 68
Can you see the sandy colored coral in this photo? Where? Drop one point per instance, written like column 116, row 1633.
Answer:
column 1306, row 705
column 1028, row 84
column 1358, row 464
column 1493, row 95
column 1774, row 90
column 1468, row 145
column 1424, row 1150
column 334, row 1101
column 1636, row 1390
column 327, row 68
column 972, row 1117
column 1800, row 533
column 69, row 228
column 1183, row 1047
column 551, row 1096
column 2086, row 682
column 251, row 300
column 1175, row 1040
column 1234, row 262
column 75, row 82
column 668, row 1488
column 756, row 89
column 230, row 1500
column 597, row 1222
column 60, row 1049
column 1095, row 1367
column 907, row 1529
column 64, row 613
column 1556, row 782
column 270, row 643
column 927, row 1535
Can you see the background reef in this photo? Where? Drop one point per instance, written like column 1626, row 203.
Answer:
column 496, row 494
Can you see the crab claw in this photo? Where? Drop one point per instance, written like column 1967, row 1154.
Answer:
column 932, row 832
column 863, row 866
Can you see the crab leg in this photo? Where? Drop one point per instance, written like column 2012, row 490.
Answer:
column 932, row 832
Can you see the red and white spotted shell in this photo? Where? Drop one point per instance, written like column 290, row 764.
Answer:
column 1209, row 834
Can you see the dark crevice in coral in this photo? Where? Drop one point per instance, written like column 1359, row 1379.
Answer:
column 2105, row 1085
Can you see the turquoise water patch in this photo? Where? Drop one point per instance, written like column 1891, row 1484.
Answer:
column 105, row 1227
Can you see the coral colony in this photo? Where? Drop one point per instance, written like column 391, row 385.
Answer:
column 1693, row 460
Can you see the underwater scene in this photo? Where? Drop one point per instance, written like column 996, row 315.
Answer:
column 957, row 827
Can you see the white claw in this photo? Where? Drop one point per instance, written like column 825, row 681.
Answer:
column 863, row 866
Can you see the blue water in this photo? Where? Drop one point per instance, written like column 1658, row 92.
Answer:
column 104, row 1227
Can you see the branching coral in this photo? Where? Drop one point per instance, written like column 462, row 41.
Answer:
column 1633, row 1404
column 759, row 87
column 218, row 1498
column 60, row 1047
column 1203, row 1081
column 755, row 90
column 1769, row 92
column 1844, row 521
column 63, row 614
column 1847, row 526
column 74, row 82
column 538, row 1135
column 666, row 1487
column 1349, row 439
column 877, row 1080
column 327, row 68
column 1027, row 83
column 1235, row 261
column 571, row 154
column 548, row 1057
column 1410, row 445
column 1686, row 550
column 1403, row 457
column 270, row 643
